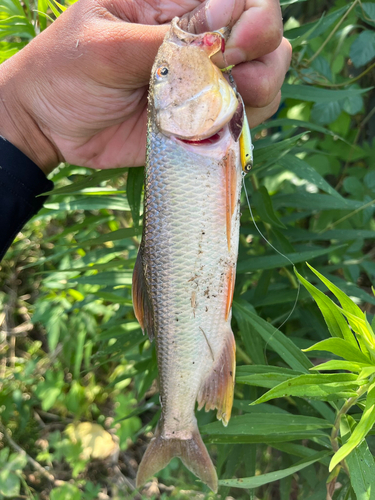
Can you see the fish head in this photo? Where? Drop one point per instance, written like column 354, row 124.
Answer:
column 191, row 98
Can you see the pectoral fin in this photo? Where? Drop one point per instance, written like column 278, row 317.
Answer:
column 141, row 303
column 217, row 389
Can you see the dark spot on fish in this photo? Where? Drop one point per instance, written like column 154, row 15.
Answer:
column 231, row 374
column 193, row 362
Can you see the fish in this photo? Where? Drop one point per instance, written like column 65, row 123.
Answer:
column 184, row 276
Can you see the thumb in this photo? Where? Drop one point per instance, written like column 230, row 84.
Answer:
column 212, row 15
column 137, row 48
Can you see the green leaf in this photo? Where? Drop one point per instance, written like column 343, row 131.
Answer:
column 362, row 50
column 253, row 343
column 353, row 105
column 290, row 122
column 256, row 481
column 361, row 430
column 321, row 25
column 264, row 428
column 338, row 364
column 91, row 203
column 362, row 328
column 244, row 406
column 134, row 186
column 55, row 6
column 325, row 113
column 111, row 278
column 275, row 339
column 9, row 484
column 42, row 9
column 263, row 204
column 119, row 234
column 268, row 154
column 263, row 376
column 315, row 202
column 93, row 179
column 49, row 390
column 307, row 172
column 348, row 307
column 273, row 261
column 317, row 94
column 326, row 387
column 366, row 11
column 342, row 348
column 360, row 463
column 337, row 325
column 66, row 492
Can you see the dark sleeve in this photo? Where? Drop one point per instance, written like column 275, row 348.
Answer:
column 21, row 181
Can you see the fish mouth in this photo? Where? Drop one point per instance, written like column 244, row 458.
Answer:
column 212, row 139
column 215, row 144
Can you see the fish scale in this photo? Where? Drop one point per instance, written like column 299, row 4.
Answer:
column 172, row 259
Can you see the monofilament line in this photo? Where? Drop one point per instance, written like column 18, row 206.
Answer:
column 274, row 248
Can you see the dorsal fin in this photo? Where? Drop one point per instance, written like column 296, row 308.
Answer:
column 141, row 303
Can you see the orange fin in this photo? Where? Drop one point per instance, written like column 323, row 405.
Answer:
column 141, row 303
column 217, row 389
column 230, row 279
column 192, row 452
column 230, row 191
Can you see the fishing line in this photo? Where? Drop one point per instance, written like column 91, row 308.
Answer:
column 228, row 71
column 276, row 250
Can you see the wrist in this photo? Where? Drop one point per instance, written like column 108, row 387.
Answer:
column 17, row 124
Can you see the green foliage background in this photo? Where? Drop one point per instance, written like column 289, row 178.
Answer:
column 71, row 350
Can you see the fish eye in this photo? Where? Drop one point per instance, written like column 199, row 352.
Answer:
column 162, row 71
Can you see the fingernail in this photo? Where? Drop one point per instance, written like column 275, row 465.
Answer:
column 219, row 13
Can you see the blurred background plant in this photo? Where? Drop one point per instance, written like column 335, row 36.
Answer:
column 78, row 397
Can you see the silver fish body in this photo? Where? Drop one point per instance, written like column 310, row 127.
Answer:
column 183, row 284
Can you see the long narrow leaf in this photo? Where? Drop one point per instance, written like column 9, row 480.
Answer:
column 285, row 348
column 256, row 481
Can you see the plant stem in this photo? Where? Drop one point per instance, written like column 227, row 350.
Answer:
column 333, row 32
column 36, row 465
column 353, row 146
column 241, row 354
column 337, row 85
column 347, row 216
column 336, row 426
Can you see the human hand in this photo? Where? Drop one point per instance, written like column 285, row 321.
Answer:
column 78, row 91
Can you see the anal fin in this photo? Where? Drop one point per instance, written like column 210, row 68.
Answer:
column 217, row 390
column 141, row 303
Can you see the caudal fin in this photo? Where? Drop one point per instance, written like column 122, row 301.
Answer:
column 192, row 452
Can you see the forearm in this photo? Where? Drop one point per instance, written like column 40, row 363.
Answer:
column 21, row 181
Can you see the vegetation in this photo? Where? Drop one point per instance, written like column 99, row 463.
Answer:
column 78, row 396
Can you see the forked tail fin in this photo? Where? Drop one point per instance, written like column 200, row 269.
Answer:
column 192, row 452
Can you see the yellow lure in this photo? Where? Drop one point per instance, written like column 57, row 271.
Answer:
column 246, row 146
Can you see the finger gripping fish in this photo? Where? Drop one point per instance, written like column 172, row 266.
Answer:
column 184, row 276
